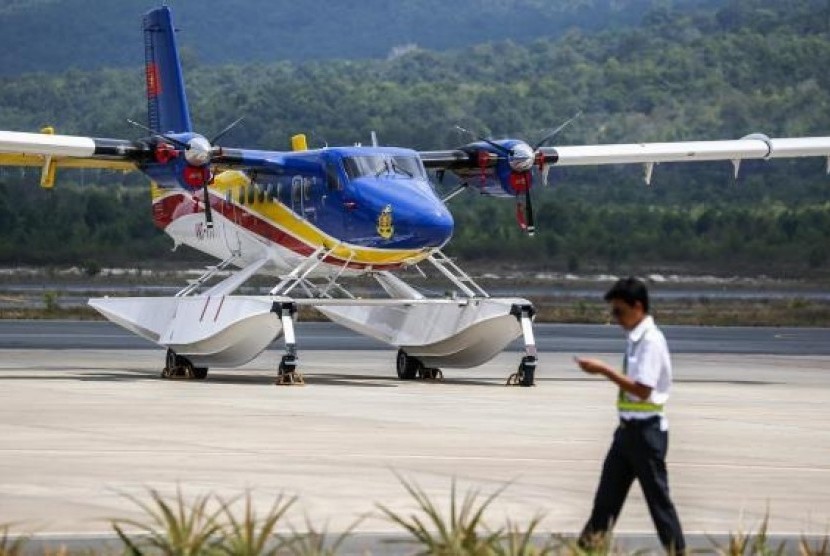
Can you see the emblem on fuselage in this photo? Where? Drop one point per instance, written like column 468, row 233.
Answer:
column 385, row 228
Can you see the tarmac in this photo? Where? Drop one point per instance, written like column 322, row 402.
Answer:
column 83, row 429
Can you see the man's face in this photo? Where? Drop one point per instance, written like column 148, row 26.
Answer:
column 626, row 315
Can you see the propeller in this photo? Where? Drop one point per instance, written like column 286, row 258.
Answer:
column 158, row 135
column 522, row 157
column 199, row 152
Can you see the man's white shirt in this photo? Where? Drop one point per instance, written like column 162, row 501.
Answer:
column 649, row 363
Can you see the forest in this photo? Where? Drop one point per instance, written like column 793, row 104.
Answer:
column 104, row 33
column 713, row 72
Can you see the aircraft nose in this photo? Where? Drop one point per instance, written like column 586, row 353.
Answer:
column 406, row 214
column 435, row 226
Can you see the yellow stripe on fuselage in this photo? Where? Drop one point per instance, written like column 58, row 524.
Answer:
column 279, row 215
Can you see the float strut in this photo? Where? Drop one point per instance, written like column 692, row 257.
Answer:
column 288, row 375
column 526, row 373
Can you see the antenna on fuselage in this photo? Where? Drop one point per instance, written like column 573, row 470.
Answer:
column 374, row 139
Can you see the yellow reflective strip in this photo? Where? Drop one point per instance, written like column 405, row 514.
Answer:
column 625, row 405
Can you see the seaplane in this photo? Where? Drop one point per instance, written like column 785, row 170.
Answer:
column 312, row 220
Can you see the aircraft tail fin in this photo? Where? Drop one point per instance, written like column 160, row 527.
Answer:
column 166, row 98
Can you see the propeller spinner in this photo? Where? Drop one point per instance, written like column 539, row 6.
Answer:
column 199, row 153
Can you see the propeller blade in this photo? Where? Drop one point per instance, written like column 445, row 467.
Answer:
column 181, row 144
column 531, row 228
column 556, row 131
column 226, row 130
column 500, row 148
column 208, row 213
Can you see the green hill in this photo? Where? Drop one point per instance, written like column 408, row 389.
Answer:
column 106, row 33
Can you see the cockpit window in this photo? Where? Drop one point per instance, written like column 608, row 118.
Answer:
column 409, row 165
column 379, row 165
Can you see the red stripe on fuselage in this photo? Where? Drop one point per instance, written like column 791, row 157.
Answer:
column 175, row 206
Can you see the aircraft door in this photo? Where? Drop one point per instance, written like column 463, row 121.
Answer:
column 297, row 204
column 334, row 203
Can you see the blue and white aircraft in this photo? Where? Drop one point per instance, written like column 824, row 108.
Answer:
column 315, row 218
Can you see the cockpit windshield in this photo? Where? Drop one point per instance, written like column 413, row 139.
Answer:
column 379, row 165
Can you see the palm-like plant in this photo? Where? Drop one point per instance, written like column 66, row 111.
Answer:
column 250, row 536
column 177, row 529
column 316, row 543
column 9, row 546
column 821, row 547
column 463, row 532
column 518, row 542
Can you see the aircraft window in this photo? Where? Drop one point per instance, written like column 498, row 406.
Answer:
column 251, row 194
column 333, row 177
column 260, row 194
column 241, row 197
column 375, row 165
column 408, row 165
column 359, row 166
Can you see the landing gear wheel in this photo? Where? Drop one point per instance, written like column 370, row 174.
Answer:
column 408, row 367
column 526, row 373
column 429, row 373
column 288, row 375
column 176, row 366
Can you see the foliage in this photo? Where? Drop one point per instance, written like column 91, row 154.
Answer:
column 106, row 34
column 316, row 543
column 179, row 528
column 249, row 535
column 50, row 302
column 9, row 547
column 819, row 547
column 462, row 532
column 750, row 544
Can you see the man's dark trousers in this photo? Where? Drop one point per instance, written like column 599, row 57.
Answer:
column 638, row 452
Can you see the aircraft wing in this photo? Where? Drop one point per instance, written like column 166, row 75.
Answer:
column 750, row 147
column 50, row 152
column 755, row 146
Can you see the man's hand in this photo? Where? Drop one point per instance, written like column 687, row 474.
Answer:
column 593, row 366
column 597, row 367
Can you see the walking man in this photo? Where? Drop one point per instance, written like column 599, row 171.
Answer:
column 641, row 440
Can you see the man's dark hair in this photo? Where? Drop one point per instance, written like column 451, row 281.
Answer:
column 630, row 290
